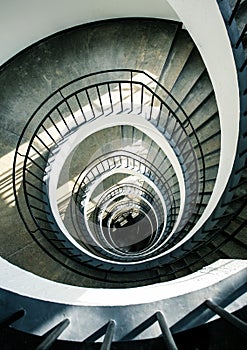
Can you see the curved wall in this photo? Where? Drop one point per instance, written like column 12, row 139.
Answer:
column 207, row 29
column 47, row 302
column 22, row 23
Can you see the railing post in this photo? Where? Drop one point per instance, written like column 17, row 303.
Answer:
column 131, row 89
column 234, row 11
column 243, row 65
column 50, row 337
column 167, row 335
column 241, row 37
column 12, row 318
column 106, row 345
column 236, row 322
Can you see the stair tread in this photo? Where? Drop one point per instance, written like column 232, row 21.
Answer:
column 188, row 76
column 177, row 58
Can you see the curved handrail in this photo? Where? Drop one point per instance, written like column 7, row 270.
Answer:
column 63, row 99
column 159, row 178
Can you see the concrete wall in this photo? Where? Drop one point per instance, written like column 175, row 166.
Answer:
column 27, row 21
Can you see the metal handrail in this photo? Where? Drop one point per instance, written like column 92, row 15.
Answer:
column 51, row 336
column 98, row 212
column 79, row 184
column 12, row 318
column 48, row 116
column 120, row 153
column 129, row 155
column 233, row 320
column 166, row 333
column 106, row 345
column 234, row 11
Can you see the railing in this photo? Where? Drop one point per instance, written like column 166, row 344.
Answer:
column 199, row 241
column 107, row 331
column 115, row 161
column 111, row 161
column 57, row 117
column 236, row 183
column 12, row 318
column 233, row 320
column 51, row 336
column 145, row 200
column 128, row 160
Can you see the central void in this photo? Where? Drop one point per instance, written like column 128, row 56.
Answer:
column 115, row 194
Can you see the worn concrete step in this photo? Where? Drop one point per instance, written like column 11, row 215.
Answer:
column 201, row 91
column 178, row 55
column 187, row 77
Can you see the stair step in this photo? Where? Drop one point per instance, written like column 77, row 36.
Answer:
column 188, row 76
column 234, row 250
column 195, row 261
column 178, row 56
column 197, row 96
column 204, row 113
column 209, row 185
column 212, row 158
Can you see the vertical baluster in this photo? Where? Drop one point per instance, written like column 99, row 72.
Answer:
column 131, row 91
column 110, row 97
column 100, row 100
column 234, row 11
column 12, row 318
column 167, row 335
column 80, row 106
column 50, row 337
column 55, row 126
column 142, row 97
column 120, row 95
column 243, row 65
column 63, row 119
column 151, row 107
column 241, row 36
column 236, row 322
column 90, row 103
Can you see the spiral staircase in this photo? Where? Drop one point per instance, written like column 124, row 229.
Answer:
column 114, row 224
